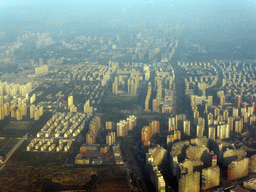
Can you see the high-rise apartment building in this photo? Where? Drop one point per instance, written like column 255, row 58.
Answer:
column 41, row 70
column 210, row 177
column 179, row 121
column 212, row 133
column 155, row 105
column 223, row 131
column 1, row 113
column 132, row 121
column 216, row 112
column 239, row 101
column 111, row 138
column 70, row 101
column 155, row 126
column 171, row 124
column 196, row 116
column 147, row 104
column 124, row 126
column 231, row 123
column 225, row 115
column 90, row 138
column 146, row 134
column 73, row 109
column 199, row 131
column 94, row 127
column 210, row 122
column 190, row 182
column 238, row 169
column 210, row 116
column 252, row 164
column 222, row 100
column 36, row 115
column 201, row 122
column 18, row 114
column 32, row 98
column 109, row 125
column 6, row 109
column 115, row 86
column 186, row 127
column 239, row 125
column 24, row 109
column 87, row 107
column 252, row 119
column 32, row 111
column 235, row 112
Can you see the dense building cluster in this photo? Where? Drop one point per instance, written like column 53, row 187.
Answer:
column 148, row 131
column 58, row 133
column 123, row 126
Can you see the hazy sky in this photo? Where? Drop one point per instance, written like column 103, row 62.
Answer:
column 82, row 11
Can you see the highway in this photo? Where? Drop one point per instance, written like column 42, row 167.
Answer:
column 9, row 154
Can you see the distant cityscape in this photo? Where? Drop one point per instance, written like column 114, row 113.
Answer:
column 134, row 112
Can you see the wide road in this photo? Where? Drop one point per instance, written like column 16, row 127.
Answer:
column 127, row 146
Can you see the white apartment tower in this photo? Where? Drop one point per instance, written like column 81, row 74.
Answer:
column 70, row 101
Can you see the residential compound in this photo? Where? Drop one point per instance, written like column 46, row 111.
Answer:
column 59, row 132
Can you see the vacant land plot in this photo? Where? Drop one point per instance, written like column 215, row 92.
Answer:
column 6, row 145
column 19, row 125
column 42, row 158
column 114, row 179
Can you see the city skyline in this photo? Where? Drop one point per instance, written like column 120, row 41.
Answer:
column 127, row 95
